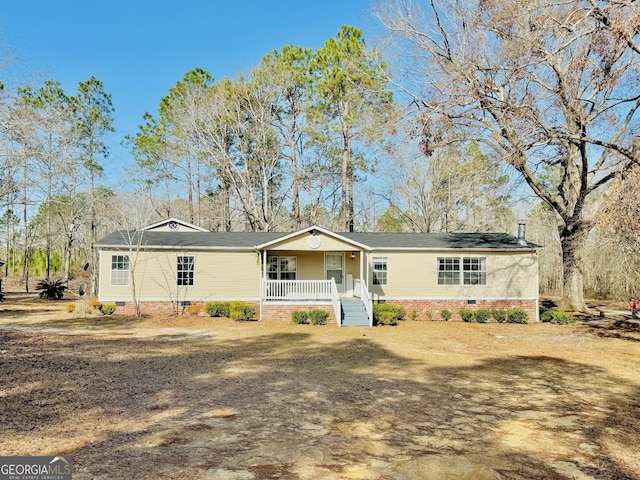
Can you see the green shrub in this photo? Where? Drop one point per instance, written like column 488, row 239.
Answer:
column 107, row 308
column 241, row 312
column 386, row 318
column 517, row 315
column 413, row 315
column 483, row 315
column 499, row 315
column 557, row 316
column 398, row 313
column 318, row 317
column 299, row 317
column 217, row 309
column 428, row 315
column 467, row 315
column 446, row 315
column 51, row 289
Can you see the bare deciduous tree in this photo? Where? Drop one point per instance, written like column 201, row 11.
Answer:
column 544, row 84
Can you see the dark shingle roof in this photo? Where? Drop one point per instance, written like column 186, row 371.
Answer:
column 244, row 240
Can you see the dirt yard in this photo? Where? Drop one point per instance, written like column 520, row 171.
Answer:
column 207, row 398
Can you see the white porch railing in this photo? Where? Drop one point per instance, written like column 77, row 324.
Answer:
column 310, row 290
column 364, row 296
column 360, row 291
column 335, row 301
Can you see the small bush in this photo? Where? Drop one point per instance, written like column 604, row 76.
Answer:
column 413, row 315
column 428, row 315
column 517, row 315
column 467, row 315
column 499, row 315
column 397, row 313
column 70, row 307
column 194, row 309
column 107, row 308
column 318, row 317
column 299, row 317
column 51, row 289
column 241, row 312
column 557, row 316
column 93, row 302
column 386, row 318
column 483, row 315
column 446, row 315
column 217, row 309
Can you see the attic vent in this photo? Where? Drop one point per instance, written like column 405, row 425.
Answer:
column 173, row 226
column 314, row 241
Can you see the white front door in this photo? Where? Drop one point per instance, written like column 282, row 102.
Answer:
column 334, row 266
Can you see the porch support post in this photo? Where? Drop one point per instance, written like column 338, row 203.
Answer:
column 362, row 282
column 262, row 277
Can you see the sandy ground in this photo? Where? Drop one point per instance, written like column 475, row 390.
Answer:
column 194, row 397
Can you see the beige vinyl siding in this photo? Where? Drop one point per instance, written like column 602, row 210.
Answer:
column 301, row 243
column 414, row 274
column 217, row 276
column 311, row 264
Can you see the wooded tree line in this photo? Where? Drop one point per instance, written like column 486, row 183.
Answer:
column 474, row 103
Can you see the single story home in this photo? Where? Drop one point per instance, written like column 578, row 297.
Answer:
column 172, row 264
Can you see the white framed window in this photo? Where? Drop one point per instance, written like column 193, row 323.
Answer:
column 119, row 270
column 462, row 270
column 185, row 269
column 448, row 271
column 282, row 268
column 380, row 271
column 474, row 270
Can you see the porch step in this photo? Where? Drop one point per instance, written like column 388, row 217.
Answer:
column 354, row 313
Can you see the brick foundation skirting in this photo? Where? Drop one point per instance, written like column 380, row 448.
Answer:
column 425, row 309
column 430, row 309
column 282, row 312
column 167, row 308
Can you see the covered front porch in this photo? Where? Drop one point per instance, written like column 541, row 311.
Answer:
column 314, row 268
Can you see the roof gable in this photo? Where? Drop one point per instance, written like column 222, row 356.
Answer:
column 312, row 239
column 174, row 225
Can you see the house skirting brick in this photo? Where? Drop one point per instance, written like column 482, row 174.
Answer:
column 167, row 308
column 425, row 309
column 283, row 311
column 430, row 309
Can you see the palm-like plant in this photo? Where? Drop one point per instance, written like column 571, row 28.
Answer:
column 51, row 289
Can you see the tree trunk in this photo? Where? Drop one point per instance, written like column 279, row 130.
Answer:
column 572, row 240
column 297, row 221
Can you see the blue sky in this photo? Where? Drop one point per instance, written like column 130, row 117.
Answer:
column 139, row 49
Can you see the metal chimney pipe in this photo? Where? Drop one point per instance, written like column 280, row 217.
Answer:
column 522, row 230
